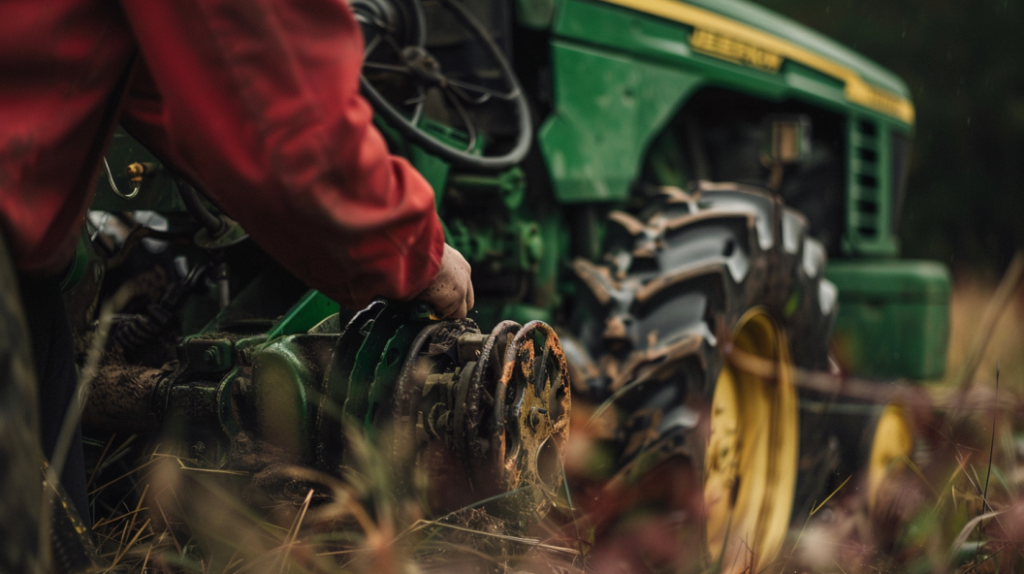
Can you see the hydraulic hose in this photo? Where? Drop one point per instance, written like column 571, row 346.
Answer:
column 215, row 225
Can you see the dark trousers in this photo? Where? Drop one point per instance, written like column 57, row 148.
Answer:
column 53, row 354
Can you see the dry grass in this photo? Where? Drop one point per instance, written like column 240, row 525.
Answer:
column 1006, row 348
column 949, row 509
column 177, row 517
column 958, row 505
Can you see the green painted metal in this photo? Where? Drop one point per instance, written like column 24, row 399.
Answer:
column 640, row 37
column 79, row 264
column 618, row 78
column 601, row 22
column 382, row 385
column 514, row 246
column 619, row 74
column 608, row 106
column 281, row 380
column 503, row 229
column 286, row 375
column 764, row 19
column 216, row 348
column 893, row 317
column 208, row 354
column 331, row 430
column 312, row 308
column 510, row 185
column 869, row 203
column 371, row 355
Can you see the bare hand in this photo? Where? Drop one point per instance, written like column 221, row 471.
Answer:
column 450, row 294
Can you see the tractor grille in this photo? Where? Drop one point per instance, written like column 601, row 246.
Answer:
column 900, row 145
column 865, row 179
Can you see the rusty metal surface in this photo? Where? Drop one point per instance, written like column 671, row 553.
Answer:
column 482, row 389
column 461, row 416
column 531, row 419
column 479, row 416
column 121, row 398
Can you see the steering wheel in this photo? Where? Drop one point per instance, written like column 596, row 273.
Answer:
column 396, row 62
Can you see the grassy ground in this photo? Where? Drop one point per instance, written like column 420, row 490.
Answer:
column 957, row 505
column 1006, row 348
column 954, row 506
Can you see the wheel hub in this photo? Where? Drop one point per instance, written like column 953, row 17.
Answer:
column 892, row 446
column 424, row 67
column 751, row 459
column 485, row 416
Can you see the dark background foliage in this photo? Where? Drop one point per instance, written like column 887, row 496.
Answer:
column 964, row 63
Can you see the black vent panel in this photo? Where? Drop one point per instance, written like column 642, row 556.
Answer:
column 865, row 179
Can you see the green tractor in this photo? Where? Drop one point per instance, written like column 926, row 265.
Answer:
column 648, row 192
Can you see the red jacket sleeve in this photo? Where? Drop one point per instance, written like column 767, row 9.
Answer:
column 258, row 100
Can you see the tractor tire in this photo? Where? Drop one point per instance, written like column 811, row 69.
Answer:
column 692, row 315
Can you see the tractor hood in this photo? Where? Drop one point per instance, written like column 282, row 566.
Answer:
column 742, row 31
column 772, row 23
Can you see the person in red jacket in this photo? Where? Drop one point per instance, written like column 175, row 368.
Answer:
column 258, row 100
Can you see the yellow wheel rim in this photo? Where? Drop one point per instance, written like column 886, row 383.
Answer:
column 751, row 461
column 892, row 446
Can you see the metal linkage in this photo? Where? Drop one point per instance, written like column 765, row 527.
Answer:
column 142, row 330
column 530, row 423
column 461, row 416
column 485, row 416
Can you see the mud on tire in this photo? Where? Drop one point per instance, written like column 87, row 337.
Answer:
column 659, row 316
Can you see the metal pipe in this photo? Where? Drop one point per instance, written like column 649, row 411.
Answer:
column 215, row 225
column 223, row 285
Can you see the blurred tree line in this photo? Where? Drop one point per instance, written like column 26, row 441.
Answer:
column 964, row 63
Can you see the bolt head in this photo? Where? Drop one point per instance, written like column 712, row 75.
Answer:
column 212, row 355
column 535, row 417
